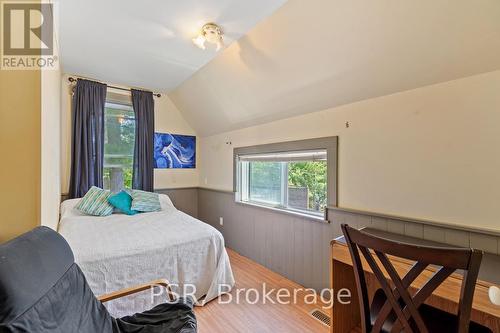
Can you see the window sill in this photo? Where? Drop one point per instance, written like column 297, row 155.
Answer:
column 285, row 211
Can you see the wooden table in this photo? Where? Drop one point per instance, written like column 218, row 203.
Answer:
column 346, row 317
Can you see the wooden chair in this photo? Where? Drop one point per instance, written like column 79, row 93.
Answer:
column 394, row 307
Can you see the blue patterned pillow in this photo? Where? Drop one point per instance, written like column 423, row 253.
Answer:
column 143, row 201
column 95, row 202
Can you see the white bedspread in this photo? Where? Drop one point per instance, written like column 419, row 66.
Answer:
column 121, row 251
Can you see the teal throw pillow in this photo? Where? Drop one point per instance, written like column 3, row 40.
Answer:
column 122, row 201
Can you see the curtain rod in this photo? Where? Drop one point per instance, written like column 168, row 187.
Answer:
column 72, row 79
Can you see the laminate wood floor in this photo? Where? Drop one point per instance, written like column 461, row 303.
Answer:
column 258, row 318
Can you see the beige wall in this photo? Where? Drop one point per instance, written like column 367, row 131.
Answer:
column 429, row 153
column 29, row 146
column 65, row 156
column 167, row 119
column 19, row 151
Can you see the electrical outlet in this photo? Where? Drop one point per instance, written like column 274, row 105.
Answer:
column 221, row 220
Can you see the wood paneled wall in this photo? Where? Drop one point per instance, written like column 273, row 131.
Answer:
column 185, row 199
column 298, row 248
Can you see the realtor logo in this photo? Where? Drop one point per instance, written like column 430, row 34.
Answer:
column 27, row 35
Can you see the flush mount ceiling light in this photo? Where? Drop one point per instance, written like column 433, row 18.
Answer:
column 211, row 33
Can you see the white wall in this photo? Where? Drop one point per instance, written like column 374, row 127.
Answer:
column 167, row 119
column 429, row 153
column 50, row 195
column 50, row 145
column 318, row 54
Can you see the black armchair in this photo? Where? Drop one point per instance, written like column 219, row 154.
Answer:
column 42, row 289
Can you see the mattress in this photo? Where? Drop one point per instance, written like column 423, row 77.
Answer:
column 120, row 251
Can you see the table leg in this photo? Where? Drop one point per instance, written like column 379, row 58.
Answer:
column 345, row 317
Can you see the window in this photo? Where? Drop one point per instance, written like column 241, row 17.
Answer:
column 119, row 140
column 297, row 176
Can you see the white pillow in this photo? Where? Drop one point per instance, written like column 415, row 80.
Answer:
column 68, row 208
column 165, row 202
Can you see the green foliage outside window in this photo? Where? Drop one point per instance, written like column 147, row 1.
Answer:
column 310, row 174
column 119, row 134
column 265, row 181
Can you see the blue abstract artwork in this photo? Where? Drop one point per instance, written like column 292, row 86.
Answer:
column 173, row 151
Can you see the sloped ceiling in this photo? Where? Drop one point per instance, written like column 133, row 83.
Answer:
column 148, row 44
column 316, row 54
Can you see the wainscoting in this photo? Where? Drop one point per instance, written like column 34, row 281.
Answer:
column 298, row 248
column 294, row 247
column 185, row 199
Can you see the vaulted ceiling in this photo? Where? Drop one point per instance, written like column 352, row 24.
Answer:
column 317, row 54
column 148, row 43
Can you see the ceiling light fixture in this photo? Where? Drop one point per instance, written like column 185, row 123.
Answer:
column 211, row 33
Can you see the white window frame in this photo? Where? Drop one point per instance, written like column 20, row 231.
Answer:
column 241, row 181
column 244, row 189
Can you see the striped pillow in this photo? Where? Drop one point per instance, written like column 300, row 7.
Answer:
column 143, row 201
column 95, row 202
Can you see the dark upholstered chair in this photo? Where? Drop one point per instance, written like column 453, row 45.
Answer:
column 394, row 308
column 42, row 289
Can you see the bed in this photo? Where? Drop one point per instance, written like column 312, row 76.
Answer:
column 119, row 251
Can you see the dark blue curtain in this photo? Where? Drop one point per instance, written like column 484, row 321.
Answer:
column 87, row 144
column 143, row 104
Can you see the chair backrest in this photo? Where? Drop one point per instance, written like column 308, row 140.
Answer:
column 400, row 301
column 43, row 290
